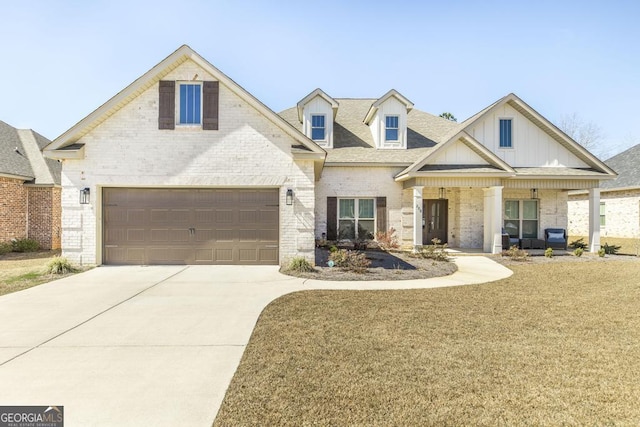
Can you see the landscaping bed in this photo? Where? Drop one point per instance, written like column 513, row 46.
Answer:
column 384, row 266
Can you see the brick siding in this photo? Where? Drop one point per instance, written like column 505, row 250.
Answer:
column 13, row 209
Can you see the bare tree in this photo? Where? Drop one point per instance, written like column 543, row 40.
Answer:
column 448, row 116
column 586, row 133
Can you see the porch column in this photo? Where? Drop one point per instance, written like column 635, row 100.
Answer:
column 417, row 218
column 492, row 220
column 594, row 220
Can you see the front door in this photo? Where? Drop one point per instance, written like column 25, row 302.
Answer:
column 435, row 218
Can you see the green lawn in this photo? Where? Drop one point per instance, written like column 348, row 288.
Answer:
column 555, row 344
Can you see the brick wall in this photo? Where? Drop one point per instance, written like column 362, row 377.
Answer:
column 622, row 214
column 128, row 149
column 13, row 209
column 44, row 216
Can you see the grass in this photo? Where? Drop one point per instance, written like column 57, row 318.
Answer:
column 20, row 271
column 558, row 345
column 627, row 246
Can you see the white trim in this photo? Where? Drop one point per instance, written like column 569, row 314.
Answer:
column 513, row 121
column 325, row 140
column 392, row 142
column 179, row 83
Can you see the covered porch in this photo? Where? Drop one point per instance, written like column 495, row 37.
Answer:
column 472, row 214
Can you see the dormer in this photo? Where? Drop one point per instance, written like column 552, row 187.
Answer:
column 317, row 112
column 387, row 119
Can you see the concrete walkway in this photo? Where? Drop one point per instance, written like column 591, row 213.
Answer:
column 151, row 345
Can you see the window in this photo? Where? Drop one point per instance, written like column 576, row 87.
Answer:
column 356, row 219
column 505, row 133
column 190, row 104
column 318, row 130
column 391, row 128
column 521, row 218
column 603, row 218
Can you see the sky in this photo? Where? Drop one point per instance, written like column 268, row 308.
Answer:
column 63, row 59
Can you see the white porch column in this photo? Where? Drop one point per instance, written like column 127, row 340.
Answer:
column 492, row 220
column 417, row 217
column 594, row 220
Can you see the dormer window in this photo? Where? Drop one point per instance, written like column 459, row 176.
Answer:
column 190, row 104
column 318, row 128
column 391, row 129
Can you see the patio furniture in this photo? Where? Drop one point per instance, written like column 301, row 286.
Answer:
column 555, row 238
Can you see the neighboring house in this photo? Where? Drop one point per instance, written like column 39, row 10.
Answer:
column 185, row 166
column 619, row 209
column 29, row 188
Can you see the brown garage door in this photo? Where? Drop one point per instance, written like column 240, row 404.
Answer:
column 190, row 226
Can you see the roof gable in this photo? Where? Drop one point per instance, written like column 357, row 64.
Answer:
column 150, row 78
column 544, row 125
column 376, row 105
column 317, row 93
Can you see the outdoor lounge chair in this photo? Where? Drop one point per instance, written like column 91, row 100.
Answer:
column 555, row 238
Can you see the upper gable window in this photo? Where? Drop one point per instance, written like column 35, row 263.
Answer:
column 505, row 133
column 318, row 128
column 190, row 106
column 391, row 128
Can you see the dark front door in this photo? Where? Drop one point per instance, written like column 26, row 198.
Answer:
column 435, row 219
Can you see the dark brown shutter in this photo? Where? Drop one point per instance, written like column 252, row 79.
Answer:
column 210, row 95
column 381, row 214
column 332, row 218
column 167, row 105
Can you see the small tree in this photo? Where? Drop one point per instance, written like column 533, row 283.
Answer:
column 448, row 116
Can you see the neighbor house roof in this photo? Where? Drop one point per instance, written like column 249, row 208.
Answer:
column 21, row 156
column 627, row 165
column 353, row 141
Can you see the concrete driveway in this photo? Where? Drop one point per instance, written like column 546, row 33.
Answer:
column 151, row 345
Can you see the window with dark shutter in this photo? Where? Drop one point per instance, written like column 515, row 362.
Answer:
column 381, row 214
column 167, row 105
column 332, row 218
column 211, row 93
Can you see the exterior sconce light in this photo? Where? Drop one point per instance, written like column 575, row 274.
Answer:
column 442, row 193
column 289, row 197
column 85, row 194
column 534, row 193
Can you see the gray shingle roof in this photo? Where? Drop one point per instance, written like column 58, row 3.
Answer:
column 353, row 142
column 556, row 171
column 627, row 165
column 21, row 155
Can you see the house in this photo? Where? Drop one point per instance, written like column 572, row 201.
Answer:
column 619, row 208
column 185, row 166
column 29, row 188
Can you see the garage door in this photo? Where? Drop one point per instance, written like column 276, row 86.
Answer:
column 190, row 226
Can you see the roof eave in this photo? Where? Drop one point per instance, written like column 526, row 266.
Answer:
column 61, row 154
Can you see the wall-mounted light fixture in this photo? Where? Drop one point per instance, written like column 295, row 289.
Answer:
column 442, row 193
column 85, row 196
column 289, row 197
column 534, row 193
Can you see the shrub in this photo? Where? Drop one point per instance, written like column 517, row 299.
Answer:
column 301, row 265
column 25, row 245
column 387, row 240
column 516, row 254
column 610, row 250
column 5, row 248
column 578, row 244
column 60, row 265
column 578, row 252
column 436, row 251
column 548, row 252
column 350, row 260
column 333, row 249
column 601, row 252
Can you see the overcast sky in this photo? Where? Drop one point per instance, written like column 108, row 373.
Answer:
column 63, row 59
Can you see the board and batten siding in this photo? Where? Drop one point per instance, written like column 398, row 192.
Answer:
column 457, row 153
column 532, row 147
column 319, row 106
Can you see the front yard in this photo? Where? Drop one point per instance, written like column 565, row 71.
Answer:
column 555, row 344
column 20, row 271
